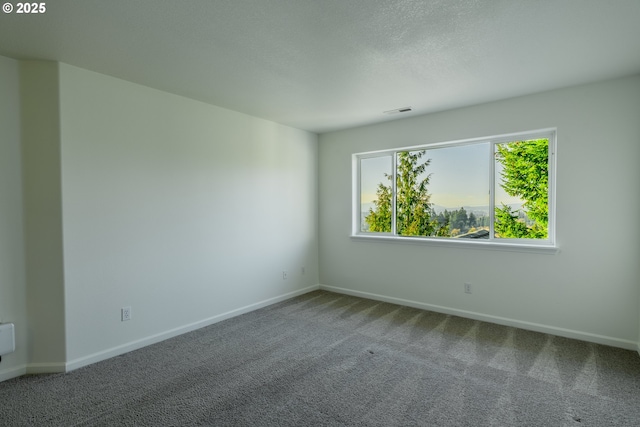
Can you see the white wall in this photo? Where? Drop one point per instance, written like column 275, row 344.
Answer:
column 129, row 196
column 13, row 306
column 40, row 140
column 589, row 290
column 148, row 193
column 182, row 210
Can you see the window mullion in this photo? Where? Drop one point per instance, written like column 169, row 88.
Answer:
column 394, row 171
column 551, row 185
column 492, row 190
column 357, row 220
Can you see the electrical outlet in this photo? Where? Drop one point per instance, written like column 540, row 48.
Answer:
column 303, row 271
column 285, row 275
column 467, row 288
column 125, row 313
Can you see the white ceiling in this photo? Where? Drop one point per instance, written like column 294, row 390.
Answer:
column 322, row 65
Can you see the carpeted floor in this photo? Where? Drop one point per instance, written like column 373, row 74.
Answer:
column 330, row 359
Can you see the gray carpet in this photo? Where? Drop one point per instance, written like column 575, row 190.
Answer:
column 330, row 359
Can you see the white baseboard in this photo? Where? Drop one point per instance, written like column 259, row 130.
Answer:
column 553, row 330
column 135, row 345
column 46, row 368
column 17, row 371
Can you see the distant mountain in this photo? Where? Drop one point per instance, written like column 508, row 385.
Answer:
column 477, row 210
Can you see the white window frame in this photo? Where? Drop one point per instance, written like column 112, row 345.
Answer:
column 548, row 245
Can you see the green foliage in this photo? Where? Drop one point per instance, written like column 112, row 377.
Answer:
column 472, row 220
column 460, row 219
column 444, row 221
column 525, row 175
column 413, row 208
column 379, row 219
column 508, row 223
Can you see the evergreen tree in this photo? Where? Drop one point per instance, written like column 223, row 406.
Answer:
column 472, row 220
column 443, row 224
column 525, row 175
column 462, row 219
column 508, row 225
column 413, row 208
column 414, row 214
column 379, row 219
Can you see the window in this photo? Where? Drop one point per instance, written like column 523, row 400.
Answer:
column 491, row 191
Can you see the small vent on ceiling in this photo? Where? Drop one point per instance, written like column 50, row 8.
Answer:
column 398, row 110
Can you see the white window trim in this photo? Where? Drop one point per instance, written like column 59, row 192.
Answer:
column 525, row 245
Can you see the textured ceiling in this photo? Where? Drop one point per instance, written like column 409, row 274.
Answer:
column 322, row 65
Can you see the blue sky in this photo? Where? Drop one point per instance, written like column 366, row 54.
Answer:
column 459, row 176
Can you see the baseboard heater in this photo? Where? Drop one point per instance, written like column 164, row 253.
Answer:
column 7, row 338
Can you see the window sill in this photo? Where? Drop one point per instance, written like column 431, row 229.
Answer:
column 456, row 243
